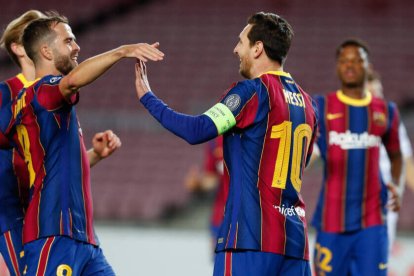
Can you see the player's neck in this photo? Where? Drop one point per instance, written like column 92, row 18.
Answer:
column 28, row 70
column 264, row 67
column 354, row 92
column 46, row 69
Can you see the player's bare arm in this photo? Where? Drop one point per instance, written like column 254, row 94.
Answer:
column 103, row 145
column 92, row 68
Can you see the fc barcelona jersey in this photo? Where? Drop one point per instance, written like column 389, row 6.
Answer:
column 13, row 170
column 353, row 196
column 264, row 157
column 44, row 127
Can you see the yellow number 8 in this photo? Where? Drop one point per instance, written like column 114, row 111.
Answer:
column 62, row 269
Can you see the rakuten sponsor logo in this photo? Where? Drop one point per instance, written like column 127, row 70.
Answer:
column 290, row 211
column 349, row 140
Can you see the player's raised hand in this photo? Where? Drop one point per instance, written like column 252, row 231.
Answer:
column 394, row 200
column 105, row 143
column 141, row 79
column 144, row 51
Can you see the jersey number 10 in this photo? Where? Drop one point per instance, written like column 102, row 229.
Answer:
column 283, row 132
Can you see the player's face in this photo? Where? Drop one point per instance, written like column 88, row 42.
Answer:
column 352, row 66
column 244, row 51
column 65, row 50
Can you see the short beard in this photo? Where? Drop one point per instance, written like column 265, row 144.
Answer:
column 245, row 70
column 64, row 64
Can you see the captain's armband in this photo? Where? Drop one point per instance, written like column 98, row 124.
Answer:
column 222, row 117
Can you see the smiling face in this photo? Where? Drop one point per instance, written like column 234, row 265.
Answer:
column 352, row 66
column 244, row 51
column 65, row 49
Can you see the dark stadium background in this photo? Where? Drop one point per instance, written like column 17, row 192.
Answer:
column 141, row 185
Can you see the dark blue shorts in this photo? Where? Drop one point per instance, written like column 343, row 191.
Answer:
column 60, row 255
column 11, row 249
column 248, row 263
column 362, row 252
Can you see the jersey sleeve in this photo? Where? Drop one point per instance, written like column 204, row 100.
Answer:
column 391, row 139
column 49, row 95
column 193, row 129
column 406, row 148
column 312, row 145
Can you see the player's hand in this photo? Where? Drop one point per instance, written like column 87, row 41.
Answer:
column 192, row 180
column 144, row 51
column 105, row 143
column 141, row 79
column 394, row 202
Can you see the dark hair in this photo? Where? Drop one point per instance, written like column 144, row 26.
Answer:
column 40, row 30
column 352, row 42
column 274, row 32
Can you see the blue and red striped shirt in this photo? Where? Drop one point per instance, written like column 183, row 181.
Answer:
column 264, row 158
column 353, row 195
column 13, row 171
column 45, row 129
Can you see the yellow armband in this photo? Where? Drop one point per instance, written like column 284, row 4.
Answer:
column 222, row 117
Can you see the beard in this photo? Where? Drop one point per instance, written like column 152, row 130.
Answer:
column 64, row 64
column 244, row 70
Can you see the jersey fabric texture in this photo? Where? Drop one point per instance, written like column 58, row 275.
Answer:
column 44, row 127
column 248, row 263
column 61, row 255
column 13, row 170
column 214, row 165
column 353, row 195
column 11, row 248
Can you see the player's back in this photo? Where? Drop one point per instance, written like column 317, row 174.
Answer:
column 265, row 155
column 13, row 170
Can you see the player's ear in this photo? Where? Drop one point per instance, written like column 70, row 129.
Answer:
column 46, row 51
column 18, row 49
column 258, row 49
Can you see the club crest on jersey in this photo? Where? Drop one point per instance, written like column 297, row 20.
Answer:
column 233, row 102
column 379, row 118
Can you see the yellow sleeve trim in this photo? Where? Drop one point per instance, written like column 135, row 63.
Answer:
column 222, row 117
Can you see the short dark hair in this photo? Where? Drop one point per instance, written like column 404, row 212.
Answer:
column 40, row 30
column 352, row 42
column 274, row 32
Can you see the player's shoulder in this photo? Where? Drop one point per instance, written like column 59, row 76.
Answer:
column 377, row 101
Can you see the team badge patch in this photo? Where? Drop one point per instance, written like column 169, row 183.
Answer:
column 233, row 102
column 379, row 118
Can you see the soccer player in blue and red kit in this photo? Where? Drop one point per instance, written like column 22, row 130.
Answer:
column 268, row 124
column 41, row 123
column 350, row 215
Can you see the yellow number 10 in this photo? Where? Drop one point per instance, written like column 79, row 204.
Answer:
column 283, row 132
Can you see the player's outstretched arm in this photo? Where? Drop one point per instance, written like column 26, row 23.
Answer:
column 103, row 145
column 193, row 129
column 92, row 68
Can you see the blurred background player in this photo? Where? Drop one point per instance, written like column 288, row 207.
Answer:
column 13, row 170
column 211, row 179
column 268, row 125
column 374, row 85
column 352, row 202
column 56, row 158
